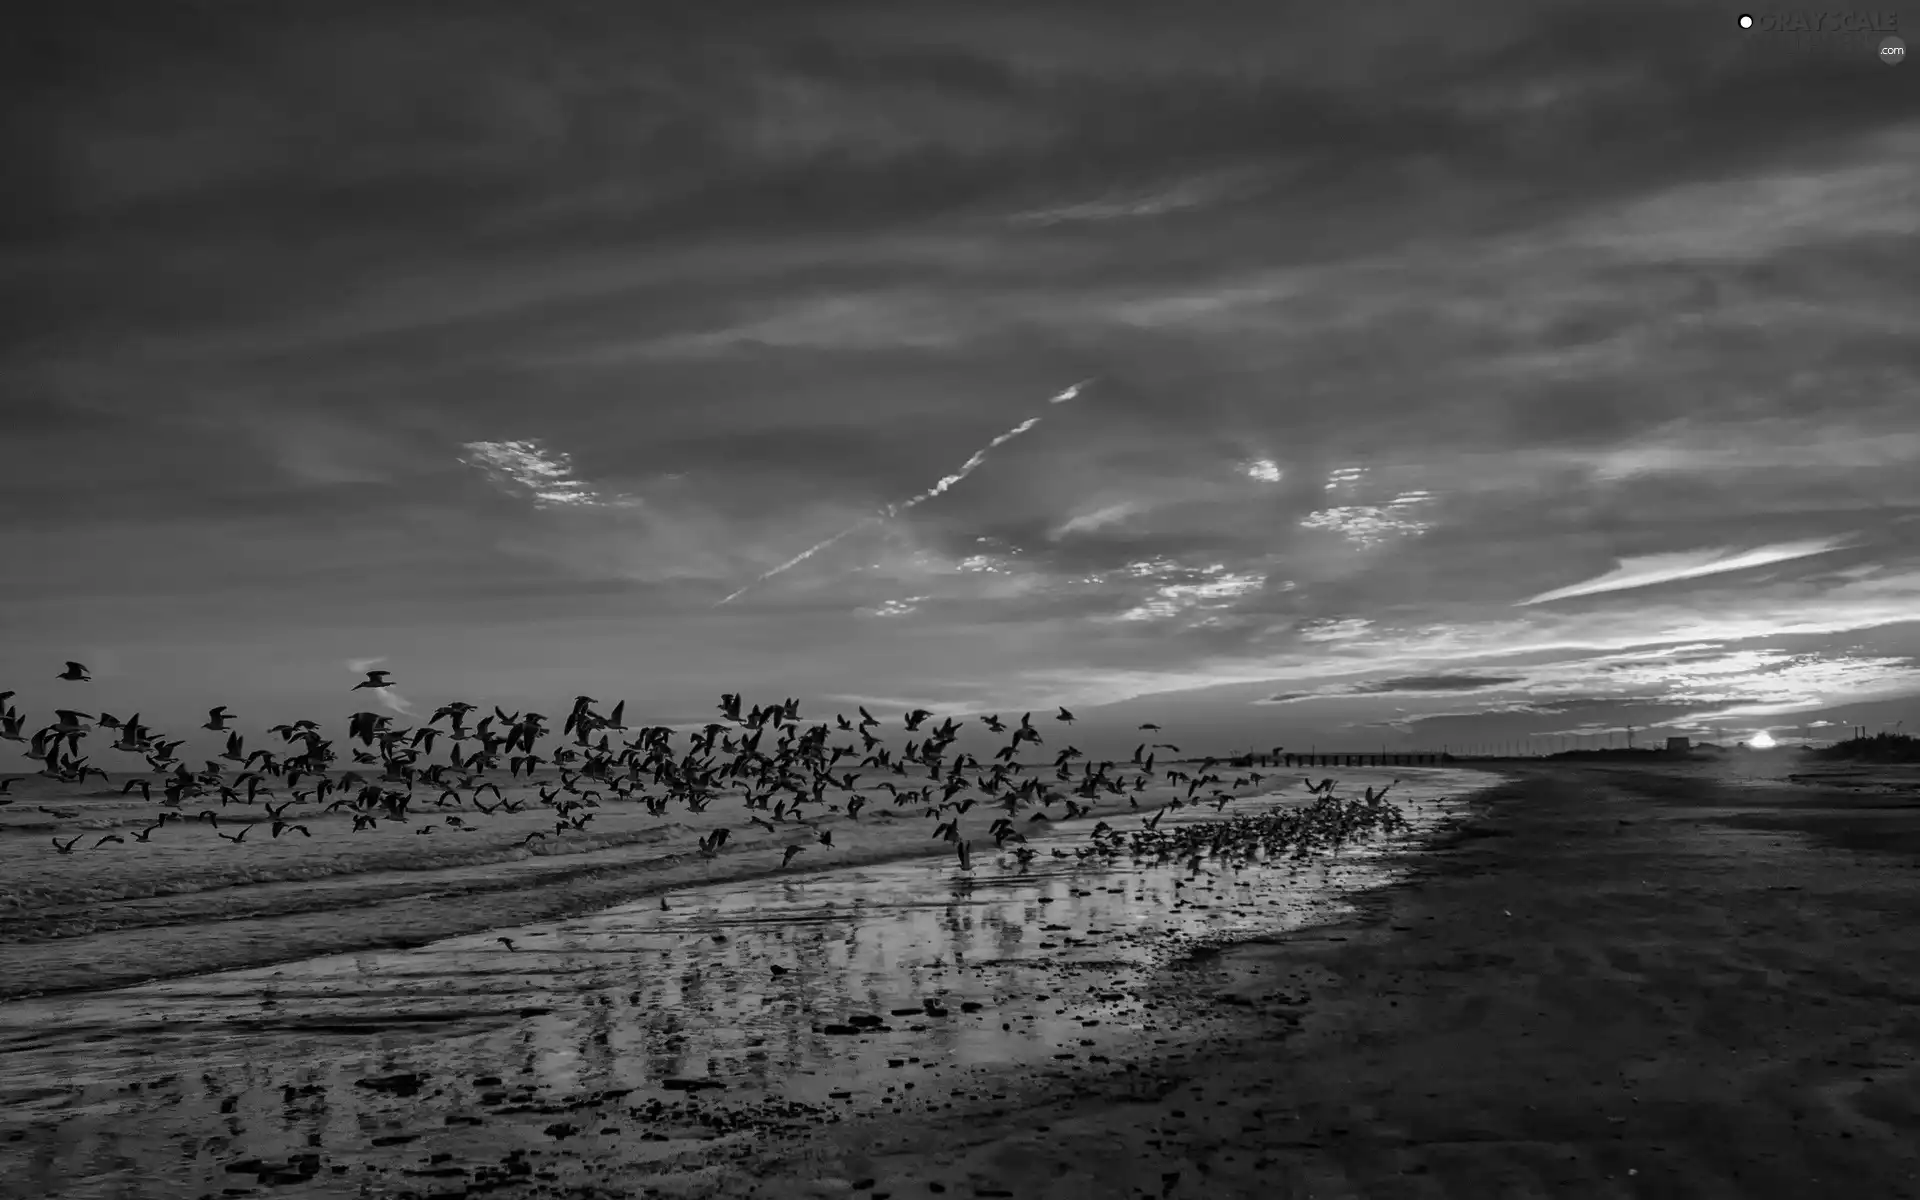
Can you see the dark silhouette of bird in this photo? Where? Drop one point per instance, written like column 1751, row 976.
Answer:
column 1150, row 725
column 75, row 672
column 505, row 941
column 915, row 718
column 235, row 838
column 68, row 847
column 1064, row 715
column 787, row 858
column 374, row 679
column 217, row 719
column 112, row 837
column 8, row 782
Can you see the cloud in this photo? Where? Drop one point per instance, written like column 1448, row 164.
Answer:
column 528, row 467
column 1416, row 684
column 1647, row 570
column 1436, row 683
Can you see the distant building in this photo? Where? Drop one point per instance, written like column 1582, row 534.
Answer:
column 1678, row 745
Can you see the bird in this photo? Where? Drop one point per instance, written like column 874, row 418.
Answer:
column 374, row 679
column 76, row 672
column 8, row 782
column 1064, row 715
column 217, row 719
column 68, row 847
column 787, row 858
column 505, row 941
column 235, row 838
column 112, row 837
column 1150, row 725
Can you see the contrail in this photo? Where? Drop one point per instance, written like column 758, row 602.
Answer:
column 893, row 510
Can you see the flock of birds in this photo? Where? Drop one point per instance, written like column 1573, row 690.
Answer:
column 791, row 778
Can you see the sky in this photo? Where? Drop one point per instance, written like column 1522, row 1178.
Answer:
column 1368, row 375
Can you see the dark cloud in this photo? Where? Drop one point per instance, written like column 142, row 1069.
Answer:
column 1436, row 683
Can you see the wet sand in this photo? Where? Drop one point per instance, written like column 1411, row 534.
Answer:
column 1613, row 984
column 638, row 1047
column 1601, row 982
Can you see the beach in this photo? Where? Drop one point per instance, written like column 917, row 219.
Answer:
column 780, row 991
column 1593, row 981
column 1683, row 982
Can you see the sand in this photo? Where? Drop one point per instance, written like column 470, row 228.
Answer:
column 1611, row 984
column 1600, row 982
column 787, row 994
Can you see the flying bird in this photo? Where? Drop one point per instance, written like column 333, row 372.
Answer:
column 374, row 679
column 76, row 672
column 1064, row 715
column 217, row 719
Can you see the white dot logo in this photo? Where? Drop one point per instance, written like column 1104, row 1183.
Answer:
column 1746, row 20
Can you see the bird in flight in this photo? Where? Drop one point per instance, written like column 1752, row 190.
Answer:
column 1064, row 715
column 76, row 672
column 374, row 679
column 217, row 719
column 1150, row 725
column 787, row 858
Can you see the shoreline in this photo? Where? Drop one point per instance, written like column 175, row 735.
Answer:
column 291, row 916
column 756, row 990
column 1606, row 985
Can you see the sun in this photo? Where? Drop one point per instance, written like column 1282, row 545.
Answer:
column 1762, row 741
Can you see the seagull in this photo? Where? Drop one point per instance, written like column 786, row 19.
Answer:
column 504, row 941
column 374, row 679
column 217, row 719
column 68, row 847
column 112, row 837
column 1064, row 715
column 75, row 672
column 784, row 861
column 1150, row 725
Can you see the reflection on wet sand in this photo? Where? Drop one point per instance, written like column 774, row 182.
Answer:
column 635, row 1042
